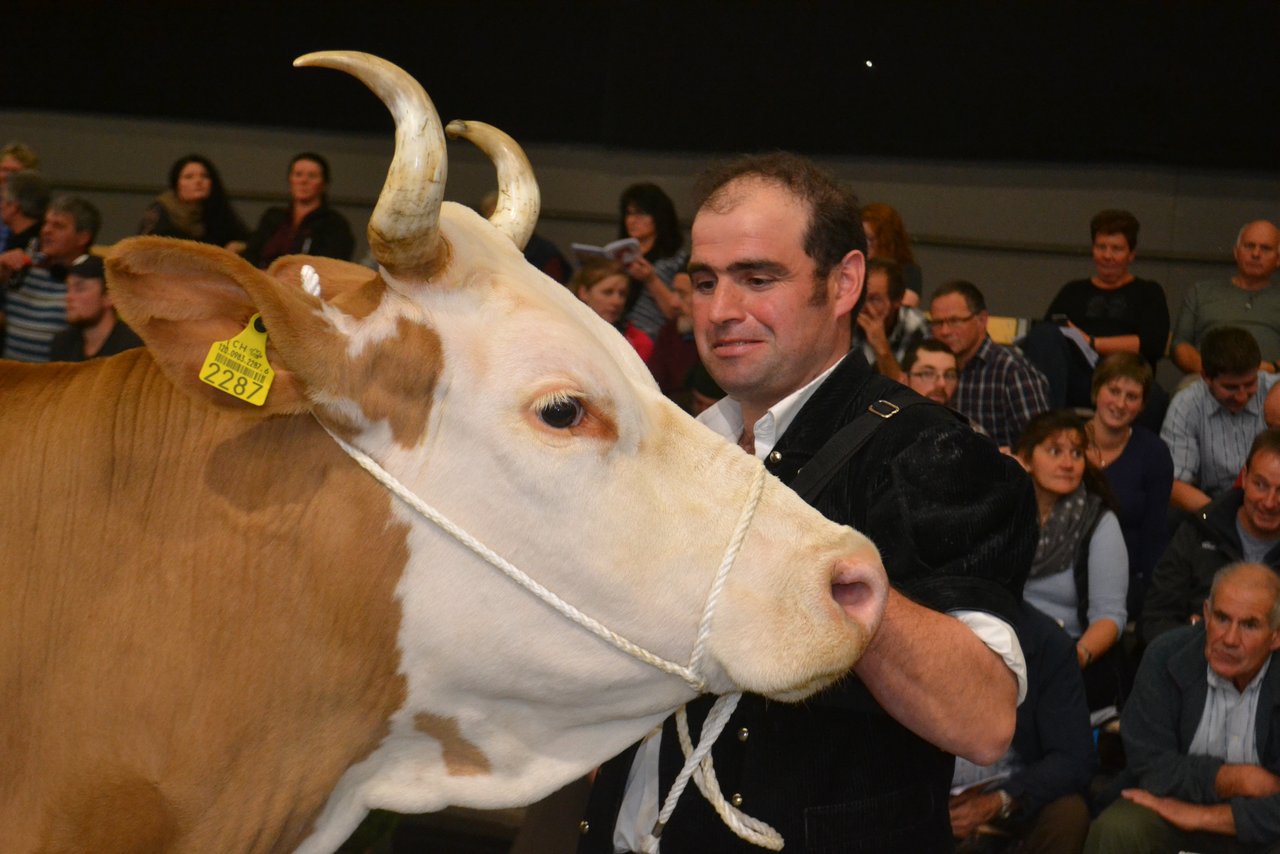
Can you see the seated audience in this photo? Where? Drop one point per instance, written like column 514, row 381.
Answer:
column 1115, row 312
column 1199, row 731
column 35, row 306
column 1080, row 574
column 307, row 225
column 674, row 351
column 1136, row 464
column 929, row 369
column 1243, row 524
column 1247, row 300
column 195, row 207
column 1211, row 423
column 1038, row 796
column 23, row 200
column 539, row 251
column 886, row 329
column 887, row 240
column 998, row 387
column 93, row 330
column 602, row 285
column 15, row 157
column 646, row 213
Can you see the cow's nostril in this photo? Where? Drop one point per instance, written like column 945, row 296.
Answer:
column 852, row 596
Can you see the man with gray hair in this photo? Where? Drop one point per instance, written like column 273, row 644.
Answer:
column 35, row 305
column 1201, row 741
column 1246, row 300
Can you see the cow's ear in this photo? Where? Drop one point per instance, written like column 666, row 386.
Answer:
column 181, row 297
column 351, row 288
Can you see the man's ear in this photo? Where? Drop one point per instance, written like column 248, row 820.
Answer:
column 848, row 279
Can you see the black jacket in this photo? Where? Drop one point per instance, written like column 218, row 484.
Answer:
column 323, row 232
column 955, row 522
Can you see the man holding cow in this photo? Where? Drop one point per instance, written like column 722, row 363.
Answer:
column 778, row 271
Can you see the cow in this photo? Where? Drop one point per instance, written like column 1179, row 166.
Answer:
column 220, row 632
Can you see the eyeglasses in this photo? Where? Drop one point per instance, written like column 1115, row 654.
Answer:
column 929, row 375
column 950, row 322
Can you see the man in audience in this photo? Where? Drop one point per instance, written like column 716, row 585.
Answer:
column 777, row 270
column 15, row 157
column 93, row 329
column 23, row 200
column 1211, row 423
column 35, row 307
column 1243, row 524
column 929, row 369
column 998, row 387
column 1203, row 754
column 886, row 328
column 1038, row 793
column 1247, row 300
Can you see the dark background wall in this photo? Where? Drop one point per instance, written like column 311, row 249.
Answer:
column 1173, row 83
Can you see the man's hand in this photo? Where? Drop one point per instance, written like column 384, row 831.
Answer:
column 1184, row 816
column 872, row 325
column 970, row 810
column 1245, row 781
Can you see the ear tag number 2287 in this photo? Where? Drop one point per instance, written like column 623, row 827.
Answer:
column 239, row 365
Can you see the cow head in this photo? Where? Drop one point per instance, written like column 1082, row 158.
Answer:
column 492, row 393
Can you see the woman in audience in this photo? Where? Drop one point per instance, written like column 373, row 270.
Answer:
column 307, row 226
column 887, row 238
column 602, row 285
column 1135, row 462
column 1081, row 570
column 646, row 213
column 195, row 207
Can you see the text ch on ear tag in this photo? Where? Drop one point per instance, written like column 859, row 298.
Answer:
column 238, row 366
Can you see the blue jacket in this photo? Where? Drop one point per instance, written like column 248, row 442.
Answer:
column 1161, row 718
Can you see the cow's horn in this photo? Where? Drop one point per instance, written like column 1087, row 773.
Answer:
column 518, row 197
column 404, row 231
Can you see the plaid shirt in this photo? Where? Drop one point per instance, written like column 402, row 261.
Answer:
column 910, row 330
column 1002, row 391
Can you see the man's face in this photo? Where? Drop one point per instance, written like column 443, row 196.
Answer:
column 1260, row 512
column 9, row 165
column 1238, row 635
column 1112, row 257
column 1257, row 253
column 59, row 239
column 1233, row 391
column 87, row 300
column 934, row 376
column 956, row 326
column 758, row 329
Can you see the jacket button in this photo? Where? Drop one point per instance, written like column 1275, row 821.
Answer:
column 775, row 456
column 736, row 800
column 744, row 734
column 584, row 827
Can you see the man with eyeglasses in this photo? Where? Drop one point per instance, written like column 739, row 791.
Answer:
column 886, row 329
column 997, row 387
column 1247, row 300
column 930, row 371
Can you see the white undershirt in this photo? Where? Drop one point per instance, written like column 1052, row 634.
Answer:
column 639, row 808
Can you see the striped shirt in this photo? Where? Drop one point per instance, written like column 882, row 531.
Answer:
column 35, row 311
column 1228, row 726
column 1002, row 391
column 1208, row 442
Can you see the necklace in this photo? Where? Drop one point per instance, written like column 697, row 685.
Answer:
column 1102, row 454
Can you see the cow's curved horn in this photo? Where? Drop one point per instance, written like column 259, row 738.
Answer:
column 518, row 196
column 404, row 232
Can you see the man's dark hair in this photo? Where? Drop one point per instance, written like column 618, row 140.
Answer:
column 1115, row 222
column 82, row 213
column 1229, row 350
column 928, row 345
column 972, row 296
column 893, row 272
column 835, row 221
column 650, row 199
column 1268, row 440
column 29, row 191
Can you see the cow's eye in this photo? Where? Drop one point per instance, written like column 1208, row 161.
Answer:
column 562, row 413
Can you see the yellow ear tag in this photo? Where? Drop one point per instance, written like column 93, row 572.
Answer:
column 239, row 366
